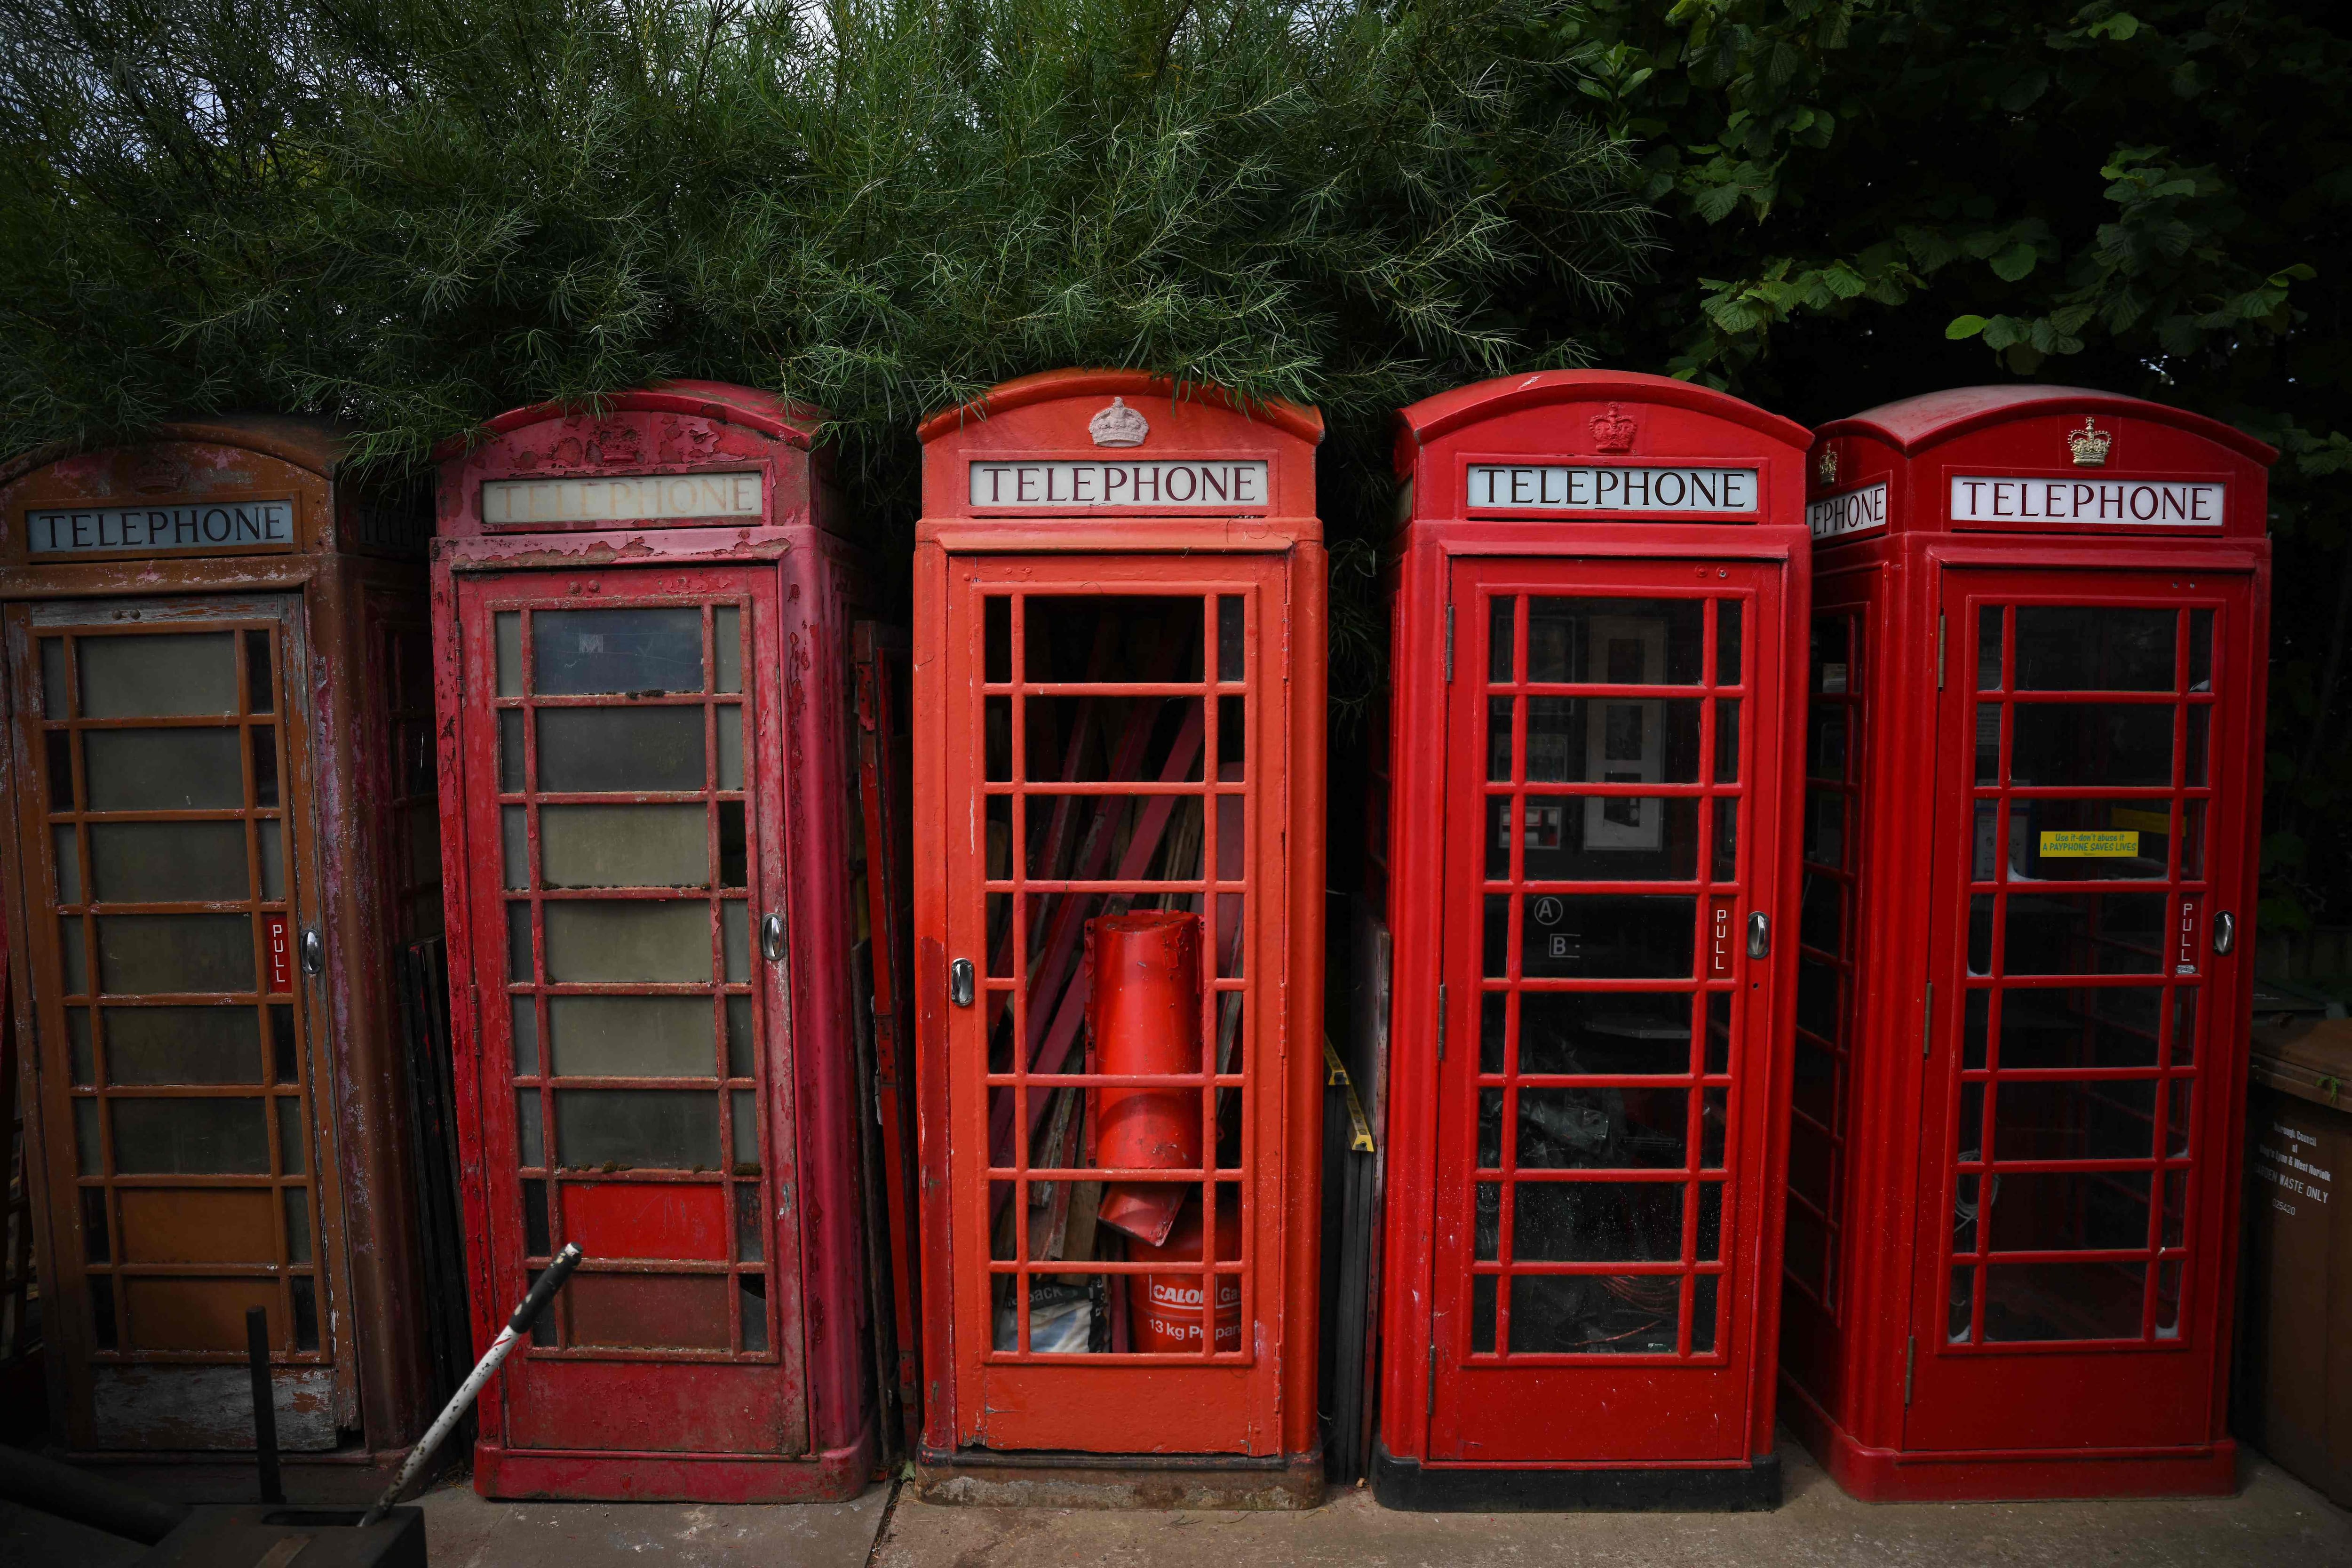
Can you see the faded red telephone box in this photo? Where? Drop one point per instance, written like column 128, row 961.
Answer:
column 1118, row 730
column 2032, row 805
column 220, row 786
column 642, row 619
column 1584, row 843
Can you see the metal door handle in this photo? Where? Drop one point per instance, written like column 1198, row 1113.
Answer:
column 1759, row 934
column 771, row 938
column 314, row 953
column 2225, row 933
column 959, row 982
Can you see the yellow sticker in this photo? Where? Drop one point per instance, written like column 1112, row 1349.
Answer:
column 2090, row 845
column 2144, row 821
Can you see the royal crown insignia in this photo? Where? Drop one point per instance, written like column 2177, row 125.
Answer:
column 616, row 444
column 1827, row 466
column 2089, row 445
column 1118, row 425
column 1612, row 431
column 153, row 473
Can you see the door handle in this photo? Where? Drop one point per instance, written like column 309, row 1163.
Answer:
column 771, row 938
column 1759, row 934
column 314, row 953
column 959, row 982
column 2225, row 933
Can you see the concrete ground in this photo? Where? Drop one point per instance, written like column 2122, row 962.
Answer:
column 2274, row 1522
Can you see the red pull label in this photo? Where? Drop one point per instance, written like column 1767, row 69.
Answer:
column 281, row 951
column 1722, row 936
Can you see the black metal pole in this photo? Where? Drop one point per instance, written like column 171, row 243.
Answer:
column 265, row 1409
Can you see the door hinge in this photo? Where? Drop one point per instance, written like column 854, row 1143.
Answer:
column 1939, row 650
column 1909, row 1346
column 1928, row 1019
column 1430, row 1409
column 1441, row 1020
column 1449, row 643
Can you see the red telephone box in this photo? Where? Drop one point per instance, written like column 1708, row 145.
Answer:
column 2032, row 805
column 217, row 702
column 642, row 619
column 1118, row 755
column 1589, row 863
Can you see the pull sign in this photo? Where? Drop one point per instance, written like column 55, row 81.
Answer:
column 959, row 982
column 2185, row 939
column 279, row 940
column 1722, row 937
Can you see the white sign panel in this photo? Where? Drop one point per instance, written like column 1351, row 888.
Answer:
column 104, row 529
column 628, row 497
column 1559, row 488
column 1849, row 512
column 1228, row 484
column 1989, row 498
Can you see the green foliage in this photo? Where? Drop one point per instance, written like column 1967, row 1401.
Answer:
column 1866, row 199
column 413, row 214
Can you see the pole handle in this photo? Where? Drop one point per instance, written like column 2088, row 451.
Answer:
column 544, row 1290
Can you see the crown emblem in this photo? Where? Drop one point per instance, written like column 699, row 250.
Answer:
column 153, row 471
column 615, row 444
column 1612, row 431
column 2089, row 445
column 1118, row 425
column 1827, row 466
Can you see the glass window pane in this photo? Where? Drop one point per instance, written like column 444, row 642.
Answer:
column 511, row 747
column 1824, row 842
column 730, row 746
column 1608, row 936
column 58, row 746
column 1726, row 740
column 182, row 1045
column 190, row 1137
column 168, row 862
column 167, row 675
column 1604, row 1128
column 1596, row 1314
column 2085, row 933
column 520, row 969
column 1576, row 740
column 735, row 928
column 531, row 1149
column 1597, row 1222
column 264, row 739
column 1616, row 838
column 2086, row 1027
column 637, row 1129
column 65, row 846
column 744, row 1115
column 1502, row 615
column 524, row 1011
column 1616, row 642
column 81, row 1057
column 146, row 954
column 2128, row 744
column 53, row 679
column 1832, row 654
column 1499, row 740
column 727, row 646
column 284, row 1050
column 600, row 749
column 2027, row 1302
column 2200, row 650
column 733, row 864
column 162, row 770
column 743, row 1039
column 1988, row 650
column 293, row 1141
column 260, row 689
column 2089, row 840
column 2070, row 1210
column 298, row 1224
column 87, row 1151
column 269, row 835
column 750, row 1234
column 1825, row 752
column 2083, row 647
column 644, row 651
column 507, row 626
column 537, row 1242
column 2074, row 1119
column 1231, row 644
column 623, row 846
column 1729, row 615
column 73, row 956
column 631, row 1037
column 628, row 940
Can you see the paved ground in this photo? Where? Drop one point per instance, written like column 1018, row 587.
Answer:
column 2274, row 1522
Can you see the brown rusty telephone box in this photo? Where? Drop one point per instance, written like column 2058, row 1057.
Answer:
column 223, row 825
column 1119, row 747
column 642, row 619
column 2032, row 805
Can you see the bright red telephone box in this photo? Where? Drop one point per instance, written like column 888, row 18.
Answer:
column 642, row 621
column 2033, row 799
column 1118, row 753
column 1588, row 858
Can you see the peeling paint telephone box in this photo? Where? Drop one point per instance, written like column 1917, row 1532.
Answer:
column 2033, row 799
column 1584, row 842
column 1119, row 749
column 642, row 627
column 218, row 669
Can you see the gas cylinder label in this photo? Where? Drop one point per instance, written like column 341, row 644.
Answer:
column 1597, row 488
column 2087, row 846
column 1988, row 498
column 1180, row 484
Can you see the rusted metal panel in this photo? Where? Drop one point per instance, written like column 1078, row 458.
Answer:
column 209, row 1407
